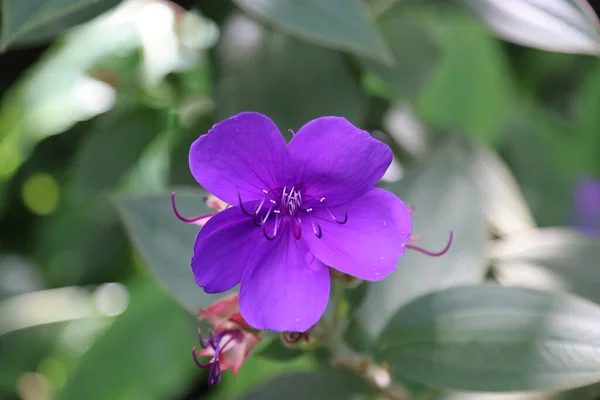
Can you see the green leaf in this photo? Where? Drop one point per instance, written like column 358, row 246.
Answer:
column 445, row 199
column 569, row 26
column 290, row 81
column 341, row 24
column 165, row 243
column 27, row 22
column 550, row 259
column 491, row 338
column 145, row 354
column 473, row 89
column 417, row 53
column 322, row 385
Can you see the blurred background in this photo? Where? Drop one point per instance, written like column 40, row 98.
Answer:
column 491, row 107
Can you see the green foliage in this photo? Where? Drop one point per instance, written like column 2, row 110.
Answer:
column 32, row 21
column 102, row 99
column 341, row 24
column 495, row 339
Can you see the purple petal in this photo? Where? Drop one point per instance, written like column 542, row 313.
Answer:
column 288, row 291
column 245, row 152
column 223, row 248
column 336, row 160
column 369, row 245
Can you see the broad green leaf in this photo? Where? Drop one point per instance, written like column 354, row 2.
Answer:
column 167, row 244
column 472, row 89
column 550, row 259
column 322, row 385
column 290, row 81
column 569, row 26
column 26, row 22
column 416, row 50
column 341, row 24
column 504, row 204
column 444, row 198
column 491, row 338
column 145, row 354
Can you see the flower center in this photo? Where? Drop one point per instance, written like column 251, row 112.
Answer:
column 281, row 203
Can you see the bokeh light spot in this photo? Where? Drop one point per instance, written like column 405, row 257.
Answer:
column 41, row 193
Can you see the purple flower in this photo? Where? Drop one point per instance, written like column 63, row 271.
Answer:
column 298, row 209
column 587, row 206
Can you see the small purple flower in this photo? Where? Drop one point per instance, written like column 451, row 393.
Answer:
column 298, row 209
column 587, row 206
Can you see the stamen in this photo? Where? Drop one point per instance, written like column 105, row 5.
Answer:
column 204, row 343
column 331, row 214
column 315, row 225
column 292, row 132
column 277, row 212
column 266, row 192
column 266, row 217
column 198, row 363
column 248, row 213
column 430, row 253
column 184, row 219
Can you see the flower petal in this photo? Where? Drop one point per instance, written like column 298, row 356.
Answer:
column 245, row 152
column 369, row 245
column 223, row 248
column 336, row 160
column 288, row 291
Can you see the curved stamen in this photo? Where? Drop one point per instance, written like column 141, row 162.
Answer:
column 198, row 363
column 275, row 229
column 248, row 213
column 333, row 216
column 430, row 253
column 296, row 230
column 257, row 210
column 184, row 219
column 204, row 343
column 315, row 225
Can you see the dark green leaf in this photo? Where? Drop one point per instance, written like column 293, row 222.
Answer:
column 416, row 52
column 28, row 22
column 551, row 259
column 341, row 24
column 322, row 385
column 290, row 81
column 145, row 354
column 491, row 338
column 568, row 26
column 444, row 198
column 166, row 244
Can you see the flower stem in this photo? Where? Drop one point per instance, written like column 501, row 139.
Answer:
column 361, row 364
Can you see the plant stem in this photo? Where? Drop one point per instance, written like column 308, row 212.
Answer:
column 361, row 364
